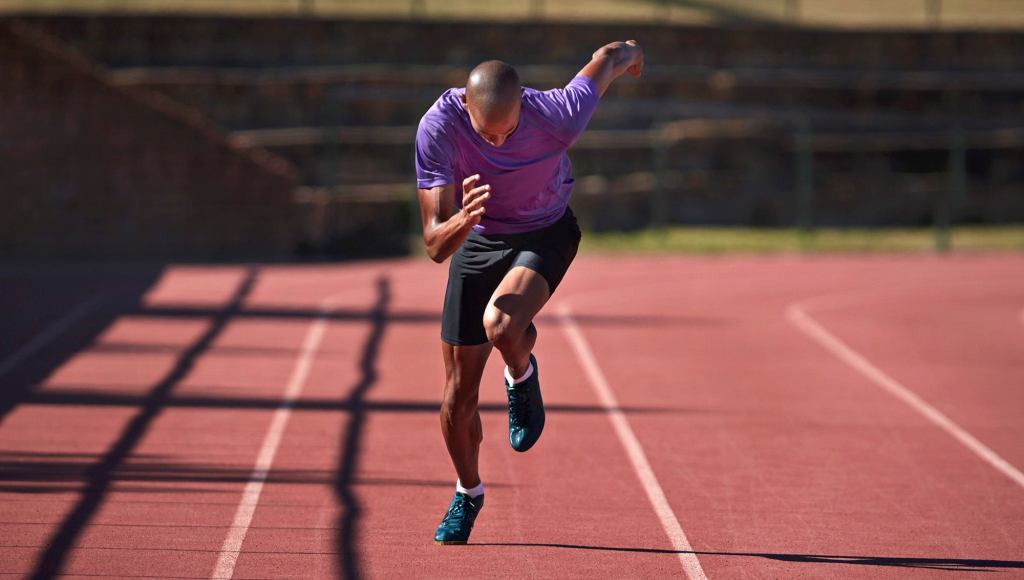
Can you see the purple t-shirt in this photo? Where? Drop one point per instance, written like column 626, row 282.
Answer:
column 530, row 174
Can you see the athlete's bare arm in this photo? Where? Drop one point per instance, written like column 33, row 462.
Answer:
column 613, row 60
column 444, row 229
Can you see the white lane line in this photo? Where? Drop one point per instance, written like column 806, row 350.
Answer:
column 633, row 448
column 802, row 320
column 232, row 546
column 55, row 329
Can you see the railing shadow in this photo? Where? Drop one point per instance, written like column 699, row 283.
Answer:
column 64, row 395
column 27, row 299
column 348, row 524
column 99, row 475
column 39, row 473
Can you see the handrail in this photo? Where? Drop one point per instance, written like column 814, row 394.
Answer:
column 924, row 14
column 669, row 133
column 439, row 74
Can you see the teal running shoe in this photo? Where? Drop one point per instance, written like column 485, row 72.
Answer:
column 525, row 411
column 458, row 520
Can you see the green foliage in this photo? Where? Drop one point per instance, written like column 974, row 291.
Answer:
column 708, row 240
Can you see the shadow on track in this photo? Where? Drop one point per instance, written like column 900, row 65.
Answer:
column 82, row 396
column 348, row 524
column 41, row 473
column 950, row 564
column 429, row 317
column 100, row 475
column 36, row 301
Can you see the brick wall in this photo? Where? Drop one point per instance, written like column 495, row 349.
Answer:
column 89, row 170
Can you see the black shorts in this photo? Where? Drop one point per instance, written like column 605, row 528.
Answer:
column 479, row 265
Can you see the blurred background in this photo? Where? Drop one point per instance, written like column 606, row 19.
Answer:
column 283, row 129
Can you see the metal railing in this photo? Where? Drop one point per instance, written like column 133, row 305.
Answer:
column 803, row 144
column 899, row 13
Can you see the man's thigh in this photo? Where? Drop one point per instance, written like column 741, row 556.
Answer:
column 535, row 273
column 518, row 298
column 476, row 270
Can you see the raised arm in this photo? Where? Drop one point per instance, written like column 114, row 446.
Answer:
column 612, row 60
column 444, row 228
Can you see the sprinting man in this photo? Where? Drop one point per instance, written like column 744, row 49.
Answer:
column 494, row 184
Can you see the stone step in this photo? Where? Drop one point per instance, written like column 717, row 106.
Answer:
column 393, row 95
column 367, row 155
column 161, row 40
column 331, row 163
column 96, row 171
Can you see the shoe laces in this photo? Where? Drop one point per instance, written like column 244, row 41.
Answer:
column 458, row 508
column 518, row 407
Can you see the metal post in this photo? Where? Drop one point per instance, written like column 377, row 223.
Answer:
column 537, row 9
column 792, row 11
column 941, row 218
column 947, row 201
column 958, row 169
column 662, row 11
column 659, row 197
column 933, row 12
column 415, row 221
column 804, row 142
column 956, row 190
column 417, row 8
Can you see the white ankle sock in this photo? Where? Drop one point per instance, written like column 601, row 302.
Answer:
column 526, row 375
column 471, row 492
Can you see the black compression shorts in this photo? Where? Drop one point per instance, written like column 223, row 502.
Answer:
column 482, row 261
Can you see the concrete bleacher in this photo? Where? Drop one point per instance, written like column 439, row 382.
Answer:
column 124, row 41
column 93, row 170
column 396, row 94
column 340, row 99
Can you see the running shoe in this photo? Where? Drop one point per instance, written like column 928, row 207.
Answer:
column 525, row 410
column 457, row 522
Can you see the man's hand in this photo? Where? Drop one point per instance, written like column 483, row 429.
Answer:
column 612, row 61
column 444, row 228
column 637, row 65
column 473, row 199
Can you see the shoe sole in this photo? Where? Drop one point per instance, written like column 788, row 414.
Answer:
column 450, row 542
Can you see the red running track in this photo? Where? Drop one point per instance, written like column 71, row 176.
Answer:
column 139, row 405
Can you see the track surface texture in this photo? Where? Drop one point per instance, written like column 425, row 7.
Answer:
column 718, row 417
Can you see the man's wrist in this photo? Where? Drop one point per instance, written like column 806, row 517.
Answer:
column 465, row 220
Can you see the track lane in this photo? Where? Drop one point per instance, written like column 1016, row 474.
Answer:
column 797, row 454
column 532, row 515
column 957, row 350
column 790, row 467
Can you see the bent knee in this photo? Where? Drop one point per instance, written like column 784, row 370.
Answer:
column 498, row 326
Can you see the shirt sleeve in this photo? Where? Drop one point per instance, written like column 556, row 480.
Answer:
column 569, row 109
column 435, row 158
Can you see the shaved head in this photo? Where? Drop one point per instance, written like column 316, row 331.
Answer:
column 493, row 91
